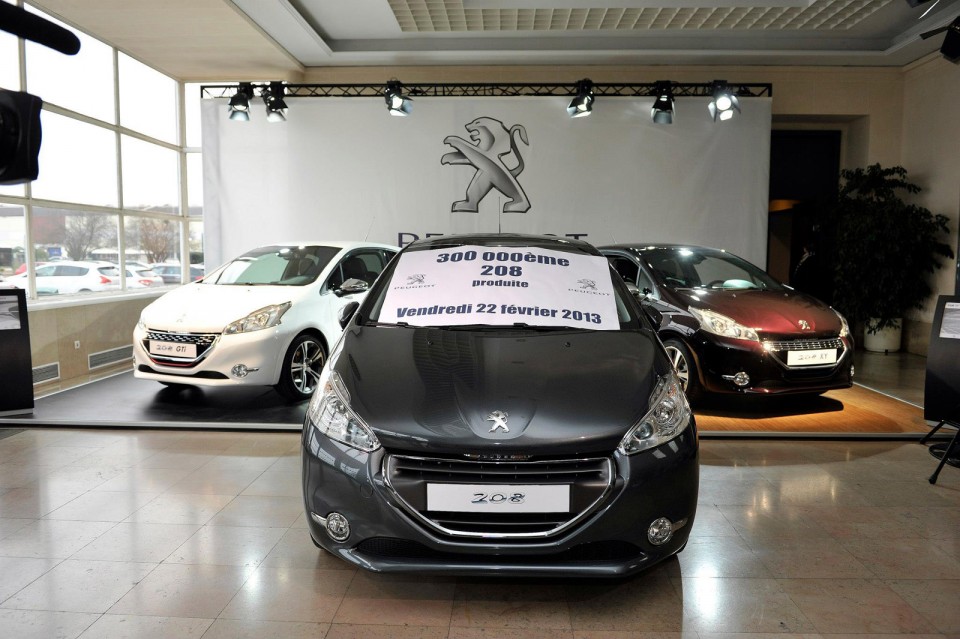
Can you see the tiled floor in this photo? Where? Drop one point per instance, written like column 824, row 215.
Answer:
column 201, row 534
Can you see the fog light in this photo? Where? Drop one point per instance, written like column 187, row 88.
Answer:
column 338, row 527
column 242, row 370
column 660, row 531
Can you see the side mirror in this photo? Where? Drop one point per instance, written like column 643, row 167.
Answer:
column 346, row 313
column 655, row 316
column 634, row 290
column 351, row 286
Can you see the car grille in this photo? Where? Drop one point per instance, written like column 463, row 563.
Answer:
column 590, row 480
column 803, row 345
column 779, row 350
column 203, row 341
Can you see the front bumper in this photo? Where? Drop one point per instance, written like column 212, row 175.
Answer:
column 610, row 541
column 721, row 359
column 261, row 352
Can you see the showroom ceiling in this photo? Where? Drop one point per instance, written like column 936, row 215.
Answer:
column 209, row 40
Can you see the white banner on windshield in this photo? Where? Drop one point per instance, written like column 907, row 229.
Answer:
column 501, row 286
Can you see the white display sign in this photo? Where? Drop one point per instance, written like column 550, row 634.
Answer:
column 501, row 286
column 950, row 327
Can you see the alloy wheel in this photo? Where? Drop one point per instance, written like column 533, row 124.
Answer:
column 305, row 365
column 680, row 364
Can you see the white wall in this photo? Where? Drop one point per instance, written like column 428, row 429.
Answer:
column 343, row 168
column 931, row 153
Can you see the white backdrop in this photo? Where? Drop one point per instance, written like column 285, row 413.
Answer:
column 342, row 168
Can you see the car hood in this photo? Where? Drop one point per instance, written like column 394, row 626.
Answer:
column 435, row 391
column 196, row 308
column 771, row 313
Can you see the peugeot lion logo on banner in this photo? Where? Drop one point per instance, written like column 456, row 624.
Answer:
column 491, row 142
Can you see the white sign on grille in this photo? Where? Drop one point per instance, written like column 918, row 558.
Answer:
column 486, row 498
column 172, row 349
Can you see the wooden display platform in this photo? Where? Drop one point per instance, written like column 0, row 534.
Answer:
column 852, row 410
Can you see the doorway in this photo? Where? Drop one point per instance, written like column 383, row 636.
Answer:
column 804, row 170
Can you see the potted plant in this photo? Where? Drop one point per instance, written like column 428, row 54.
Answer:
column 885, row 249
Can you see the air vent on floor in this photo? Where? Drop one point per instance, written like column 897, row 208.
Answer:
column 112, row 356
column 46, row 373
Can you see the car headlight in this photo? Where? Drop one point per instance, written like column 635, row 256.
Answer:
column 722, row 325
column 329, row 412
column 266, row 317
column 141, row 325
column 844, row 327
column 669, row 415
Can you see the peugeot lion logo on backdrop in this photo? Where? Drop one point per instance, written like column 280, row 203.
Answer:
column 499, row 419
column 416, row 278
column 491, row 141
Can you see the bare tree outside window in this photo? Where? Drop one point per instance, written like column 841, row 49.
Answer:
column 158, row 239
column 84, row 233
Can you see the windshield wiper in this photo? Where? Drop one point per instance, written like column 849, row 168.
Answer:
column 387, row 324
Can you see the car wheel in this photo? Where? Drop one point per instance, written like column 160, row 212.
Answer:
column 301, row 368
column 686, row 368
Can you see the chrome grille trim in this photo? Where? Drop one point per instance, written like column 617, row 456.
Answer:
column 803, row 345
column 200, row 339
column 779, row 349
column 495, row 472
column 204, row 342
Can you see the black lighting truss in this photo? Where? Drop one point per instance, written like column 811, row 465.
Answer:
column 567, row 89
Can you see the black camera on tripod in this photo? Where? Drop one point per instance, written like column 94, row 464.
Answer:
column 20, row 132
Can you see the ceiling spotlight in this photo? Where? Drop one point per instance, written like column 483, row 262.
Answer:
column 397, row 103
column 582, row 104
column 273, row 99
column 662, row 111
column 950, row 49
column 239, row 108
column 723, row 103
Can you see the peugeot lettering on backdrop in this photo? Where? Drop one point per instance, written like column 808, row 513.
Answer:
column 341, row 167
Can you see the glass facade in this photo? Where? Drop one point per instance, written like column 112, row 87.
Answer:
column 112, row 162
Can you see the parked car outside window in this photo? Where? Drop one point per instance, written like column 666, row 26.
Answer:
column 499, row 405
column 69, row 277
column 171, row 272
column 267, row 318
column 730, row 327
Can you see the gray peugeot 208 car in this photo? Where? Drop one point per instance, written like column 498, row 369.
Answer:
column 499, row 404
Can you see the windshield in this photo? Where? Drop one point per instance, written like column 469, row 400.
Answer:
column 275, row 265
column 707, row 268
column 494, row 287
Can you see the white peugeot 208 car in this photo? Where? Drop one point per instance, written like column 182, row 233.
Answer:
column 266, row 318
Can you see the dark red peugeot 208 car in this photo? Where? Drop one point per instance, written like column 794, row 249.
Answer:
column 730, row 327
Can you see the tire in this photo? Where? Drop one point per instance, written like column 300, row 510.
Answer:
column 301, row 368
column 686, row 367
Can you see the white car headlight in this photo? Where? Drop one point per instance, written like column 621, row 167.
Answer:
column 669, row 415
column 722, row 325
column 844, row 327
column 266, row 317
column 141, row 324
column 329, row 412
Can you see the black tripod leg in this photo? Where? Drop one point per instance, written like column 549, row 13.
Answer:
column 946, row 455
column 924, row 439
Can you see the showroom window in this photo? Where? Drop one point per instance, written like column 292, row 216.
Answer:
column 120, row 179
